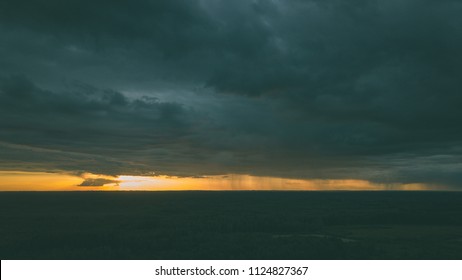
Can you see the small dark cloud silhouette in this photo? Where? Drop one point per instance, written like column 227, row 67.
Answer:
column 98, row 182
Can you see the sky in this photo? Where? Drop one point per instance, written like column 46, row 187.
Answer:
column 243, row 94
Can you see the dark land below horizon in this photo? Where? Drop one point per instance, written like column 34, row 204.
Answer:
column 231, row 225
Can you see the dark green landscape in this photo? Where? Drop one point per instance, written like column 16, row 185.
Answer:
column 231, row 225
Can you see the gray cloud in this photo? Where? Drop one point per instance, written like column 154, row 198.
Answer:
column 305, row 89
column 98, row 182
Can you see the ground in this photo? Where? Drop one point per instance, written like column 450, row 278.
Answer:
column 231, row 225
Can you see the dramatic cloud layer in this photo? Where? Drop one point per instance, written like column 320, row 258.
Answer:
column 300, row 89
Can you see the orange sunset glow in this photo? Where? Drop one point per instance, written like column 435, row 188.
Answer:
column 42, row 181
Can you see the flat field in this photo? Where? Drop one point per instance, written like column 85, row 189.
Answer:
column 231, row 225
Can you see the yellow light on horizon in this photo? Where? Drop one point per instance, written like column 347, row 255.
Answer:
column 37, row 181
column 43, row 181
column 248, row 182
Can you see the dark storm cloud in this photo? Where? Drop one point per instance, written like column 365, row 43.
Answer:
column 312, row 89
column 83, row 125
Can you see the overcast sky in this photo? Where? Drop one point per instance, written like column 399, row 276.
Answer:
column 314, row 89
